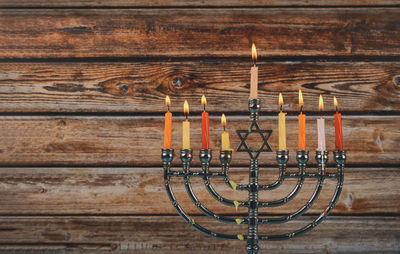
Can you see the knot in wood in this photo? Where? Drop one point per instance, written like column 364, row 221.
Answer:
column 124, row 88
column 178, row 82
column 396, row 80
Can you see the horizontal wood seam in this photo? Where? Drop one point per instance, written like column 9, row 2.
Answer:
column 193, row 215
column 205, row 7
column 293, row 58
column 134, row 114
column 111, row 166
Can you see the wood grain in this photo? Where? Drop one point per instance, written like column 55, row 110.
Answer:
column 140, row 191
column 136, row 141
column 155, row 33
column 363, row 87
column 185, row 3
column 337, row 234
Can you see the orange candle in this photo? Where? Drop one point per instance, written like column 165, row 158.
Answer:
column 338, row 128
column 168, row 125
column 302, row 125
column 205, row 140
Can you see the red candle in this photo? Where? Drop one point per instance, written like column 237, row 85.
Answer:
column 338, row 128
column 205, row 140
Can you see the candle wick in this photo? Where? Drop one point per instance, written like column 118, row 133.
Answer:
column 224, row 128
column 337, row 109
column 301, row 108
column 281, row 107
column 204, row 107
column 186, row 116
column 168, row 107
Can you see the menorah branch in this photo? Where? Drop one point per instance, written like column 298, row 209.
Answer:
column 167, row 157
column 225, row 158
column 205, row 158
column 340, row 158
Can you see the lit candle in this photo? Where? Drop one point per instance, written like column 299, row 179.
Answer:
column 168, row 125
column 254, row 74
column 225, row 143
column 282, row 125
column 321, row 127
column 302, row 125
column 338, row 128
column 205, row 141
column 186, row 127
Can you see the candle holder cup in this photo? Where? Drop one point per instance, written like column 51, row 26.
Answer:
column 253, row 219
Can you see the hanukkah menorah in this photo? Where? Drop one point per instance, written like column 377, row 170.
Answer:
column 253, row 219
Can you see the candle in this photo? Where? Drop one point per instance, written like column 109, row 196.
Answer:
column 338, row 128
column 282, row 125
column 186, row 127
column 168, row 125
column 321, row 127
column 302, row 125
column 225, row 143
column 205, row 141
column 254, row 74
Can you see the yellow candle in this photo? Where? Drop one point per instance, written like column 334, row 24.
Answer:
column 186, row 128
column 282, row 126
column 225, row 143
column 254, row 75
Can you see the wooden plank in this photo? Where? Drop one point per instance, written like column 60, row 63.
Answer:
column 183, row 3
column 337, row 234
column 111, row 191
column 55, row 33
column 132, row 87
column 136, row 141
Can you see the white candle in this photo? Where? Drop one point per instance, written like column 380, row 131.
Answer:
column 321, row 127
column 321, row 134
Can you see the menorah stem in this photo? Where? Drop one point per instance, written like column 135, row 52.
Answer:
column 252, row 240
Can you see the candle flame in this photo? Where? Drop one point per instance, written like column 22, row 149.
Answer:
column 167, row 101
column 321, row 103
column 280, row 99
column 186, row 107
column 203, row 100
column 301, row 102
column 335, row 103
column 254, row 52
column 223, row 120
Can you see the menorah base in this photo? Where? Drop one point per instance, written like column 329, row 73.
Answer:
column 252, row 248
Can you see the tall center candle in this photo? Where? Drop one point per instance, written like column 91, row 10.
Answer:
column 186, row 128
column 254, row 74
column 205, row 140
column 302, row 125
column 321, row 127
column 168, row 125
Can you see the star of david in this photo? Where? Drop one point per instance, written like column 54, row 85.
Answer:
column 243, row 134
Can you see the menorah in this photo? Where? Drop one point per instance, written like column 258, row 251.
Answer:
column 253, row 219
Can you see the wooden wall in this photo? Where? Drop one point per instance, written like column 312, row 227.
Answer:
column 82, row 85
